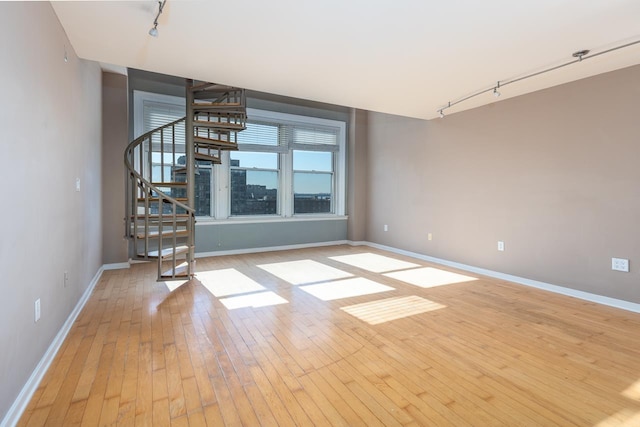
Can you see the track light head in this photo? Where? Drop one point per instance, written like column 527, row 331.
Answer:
column 579, row 54
column 495, row 92
column 153, row 32
column 441, row 114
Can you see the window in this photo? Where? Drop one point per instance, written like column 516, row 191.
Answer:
column 312, row 181
column 286, row 165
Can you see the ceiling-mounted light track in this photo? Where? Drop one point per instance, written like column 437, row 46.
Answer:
column 153, row 32
column 580, row 56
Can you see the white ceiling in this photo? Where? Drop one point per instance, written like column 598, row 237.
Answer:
column 405, row 57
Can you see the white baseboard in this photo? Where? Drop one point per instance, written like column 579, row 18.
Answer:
column 587, row 296
column 116, row 266
column 20, row 404
column 270, row 249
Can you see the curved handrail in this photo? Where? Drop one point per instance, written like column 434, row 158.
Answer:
column 128, row 163
column 138, row 185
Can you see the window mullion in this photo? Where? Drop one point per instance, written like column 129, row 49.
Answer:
column 223, row 192
column 287, row 184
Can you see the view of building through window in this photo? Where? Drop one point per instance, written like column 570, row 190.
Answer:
column 254, row 183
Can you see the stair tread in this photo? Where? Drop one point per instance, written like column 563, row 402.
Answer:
column 213, row 159
column 214, row 142
column 220, row 125
column 169, row 184
column 206, row 94
column 213, row 87
column 180, row 272
column 156, row 234
column 166, row 219
column 214, row 105
column 168, row 252
column 165, row 216
column 155, row 199
column 241, row 114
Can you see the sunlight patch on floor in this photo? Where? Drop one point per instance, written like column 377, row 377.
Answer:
column 385, row 310
column 633, row 391
column 260, row 299
column 625, row 418
column 374, row 262
column 226, row 282
column 172, row 285
column 429, row 277
column 345, row 289
column 304, row 271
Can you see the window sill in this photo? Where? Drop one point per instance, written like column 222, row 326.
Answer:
column 266, row 219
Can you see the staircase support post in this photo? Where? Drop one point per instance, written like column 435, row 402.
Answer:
column 191, row 173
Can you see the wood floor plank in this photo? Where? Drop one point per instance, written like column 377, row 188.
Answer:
column 271, row 398
column 489, row 352
column 65, row 390
column 335, row 408
column 212, row 416
column 144, row 389
column 227, row 407
column 96, row 397
column 161, row 414
column 175, row 391
column 75, row 413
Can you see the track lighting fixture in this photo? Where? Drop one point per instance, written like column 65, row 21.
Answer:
column 580, row 55
column 153, row 32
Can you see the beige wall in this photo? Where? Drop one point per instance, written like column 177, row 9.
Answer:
column 51, row 129
column 115, row 136
column 554, row 174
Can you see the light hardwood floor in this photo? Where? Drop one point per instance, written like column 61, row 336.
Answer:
column 462, row 353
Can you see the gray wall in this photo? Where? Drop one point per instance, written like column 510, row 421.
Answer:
column 554, row 174
column 357, row 176
column 51, row 130
column 115, row 138
column 223, row 237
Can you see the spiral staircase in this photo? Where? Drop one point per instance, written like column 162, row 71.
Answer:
column 161, row 166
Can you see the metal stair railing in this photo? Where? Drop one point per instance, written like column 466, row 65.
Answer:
column 143, row 189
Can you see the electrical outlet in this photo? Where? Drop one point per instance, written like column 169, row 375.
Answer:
column 620, row 264
column 37, row 310
column 500, row 246
column 386, row 227
column 77, row 184
column 429, row 236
